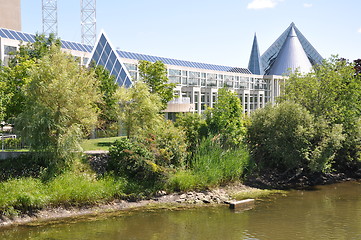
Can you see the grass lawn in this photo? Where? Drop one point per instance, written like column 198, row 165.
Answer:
column 98, row 143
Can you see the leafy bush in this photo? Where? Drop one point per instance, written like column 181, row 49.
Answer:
column 194, row 128
column 287, row 136
column 167, row 144
column 11, row 143
column 134, row 161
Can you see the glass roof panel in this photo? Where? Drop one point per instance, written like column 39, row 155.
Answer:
column 17, row 37
column 8, row 34
column 2, row 34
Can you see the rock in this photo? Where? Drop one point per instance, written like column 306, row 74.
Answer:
column 183, row 196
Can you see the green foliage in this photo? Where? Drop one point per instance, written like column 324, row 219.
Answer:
column 36, row 50
column 140, row 109
column 74, row 188
column 195, row 129
column 14, row 80
column 15, row 77
column 287, row 136
column 59, row 107
column 108, row 104
column 167, row 144
column 70, row 188
column 226, row 119
column 218, row 165
column 11, row 143
column 130, row 159
column 211, row 166
column 332, row 92
column 155, row 76
column 184, row 181
column 20, row 195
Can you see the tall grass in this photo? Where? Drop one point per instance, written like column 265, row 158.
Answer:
column 70, row 188
column 211, row 166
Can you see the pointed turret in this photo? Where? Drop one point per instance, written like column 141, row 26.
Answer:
column 291, row 56
column 268, row 58
column 254, row 64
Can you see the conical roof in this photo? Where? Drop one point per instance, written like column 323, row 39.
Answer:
column 254, row 64
column 269, row 56
column 291, row 56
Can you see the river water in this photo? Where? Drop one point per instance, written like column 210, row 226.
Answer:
column 323, row 212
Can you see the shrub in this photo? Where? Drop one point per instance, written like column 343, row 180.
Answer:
column 167, row 144
column 134, row 161
column 287, row 136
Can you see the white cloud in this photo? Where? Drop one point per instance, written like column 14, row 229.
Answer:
column 260, row 4
column 307, row 5
column 359, row 30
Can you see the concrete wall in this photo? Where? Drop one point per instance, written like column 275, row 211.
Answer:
column 10, row 14
column 7, row 155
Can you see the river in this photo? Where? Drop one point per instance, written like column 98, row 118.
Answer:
column 322, row 212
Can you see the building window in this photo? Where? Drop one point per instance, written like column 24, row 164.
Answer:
column 9, row 50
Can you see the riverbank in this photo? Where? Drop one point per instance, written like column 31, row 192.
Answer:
column 162, row 200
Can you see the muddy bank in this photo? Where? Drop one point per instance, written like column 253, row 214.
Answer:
column 161, row 200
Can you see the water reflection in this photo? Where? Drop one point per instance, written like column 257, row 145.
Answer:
column 326, row 212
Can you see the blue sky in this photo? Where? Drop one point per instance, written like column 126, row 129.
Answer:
column 210, row 31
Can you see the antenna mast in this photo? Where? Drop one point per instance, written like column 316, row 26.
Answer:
column 88, row 22
column 50, row 17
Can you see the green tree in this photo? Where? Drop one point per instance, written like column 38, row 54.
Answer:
column 286, row 136
column 332, row 91
column 108, row 104
column 59, row 107
column 36, row 50
column 195, row 129
column 226, row 119
column 140, row 109
column 16, row 75
column 155, row 76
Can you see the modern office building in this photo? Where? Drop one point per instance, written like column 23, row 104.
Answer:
column 197, row 83
column 10, row 14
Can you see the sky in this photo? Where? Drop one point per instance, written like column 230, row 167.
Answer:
column 210, row 31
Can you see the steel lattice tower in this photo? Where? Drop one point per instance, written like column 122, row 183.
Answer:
column 88, row 22
column 50, row 17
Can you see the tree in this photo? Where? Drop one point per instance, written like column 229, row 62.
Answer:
column 139, row 109
column 286, row 136
column 16, row 75
column 155, row 76
column 59, row 107
column 332, row 91
column 357, row 63
column 194, row 127
column 226, row 118
column 108, row 104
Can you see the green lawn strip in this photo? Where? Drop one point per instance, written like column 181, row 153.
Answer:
column 98, row 143
column 257, row 194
